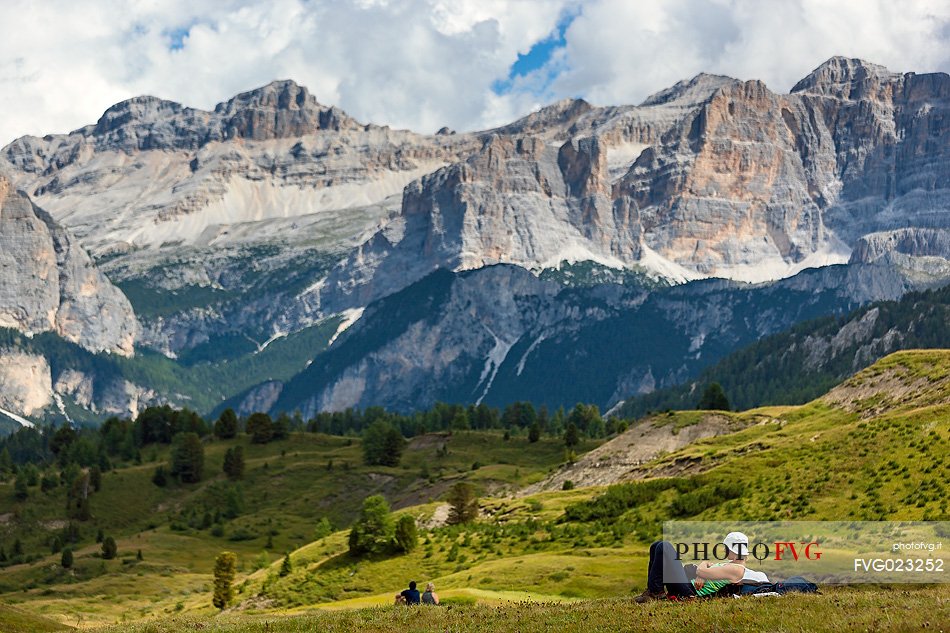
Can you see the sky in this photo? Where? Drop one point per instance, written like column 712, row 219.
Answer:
column 424, row 64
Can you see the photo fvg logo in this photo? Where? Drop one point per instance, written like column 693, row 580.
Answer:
column 776, row 550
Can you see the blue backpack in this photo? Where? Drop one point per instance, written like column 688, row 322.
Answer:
column 795, row 584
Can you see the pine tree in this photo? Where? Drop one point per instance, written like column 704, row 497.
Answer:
column 714, row 398
column 188, row 458
column 534, row 432
column 77, row 499
column 234, row 463
column 406, row 537
column 225, row 427
column 571, row 435
column 225, row 568
column 286, row 567
column 383, row 444
column 66, row 560
column 463, row 502
column 260, row 428
column 109, row 548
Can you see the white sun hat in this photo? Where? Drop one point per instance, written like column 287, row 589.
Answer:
column 734, row 540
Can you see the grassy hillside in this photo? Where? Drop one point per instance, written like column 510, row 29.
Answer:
column 876, row 447
column 840, row 611
column 288, row 487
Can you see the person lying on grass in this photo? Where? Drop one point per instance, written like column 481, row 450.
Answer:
column 666, row 575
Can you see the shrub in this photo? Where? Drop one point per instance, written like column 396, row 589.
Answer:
column 159, row 478
column 692, row 503
column 617, row 500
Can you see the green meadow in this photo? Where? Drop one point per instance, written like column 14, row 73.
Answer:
column 875, row 448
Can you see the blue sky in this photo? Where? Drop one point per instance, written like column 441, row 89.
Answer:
column 538, row 56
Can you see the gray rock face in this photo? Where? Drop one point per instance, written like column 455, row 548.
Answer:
column 499, row 334
column 48, row 283
column 712, row 177
column 153, row 172
column 921, row 242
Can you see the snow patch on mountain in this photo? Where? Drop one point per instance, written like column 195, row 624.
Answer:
column 350, row 317
column 621, row 157
column 17, row 419
column 493, row 363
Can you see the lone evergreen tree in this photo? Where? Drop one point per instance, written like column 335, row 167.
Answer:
column 534, row 432
column 463, row 502
column 188, row 458
column 66, row 560
column 571, row 435
column 714, row 398
column 109, row 548
column 406, row 536
column 234, row 463
column 286, row 567
column 225, row 568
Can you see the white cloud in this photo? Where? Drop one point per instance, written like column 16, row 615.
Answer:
column 427, row 63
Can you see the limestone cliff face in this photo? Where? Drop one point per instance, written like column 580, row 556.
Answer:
column 25, row 383
column 712, row 177
column 153, row 172
column 48, row 283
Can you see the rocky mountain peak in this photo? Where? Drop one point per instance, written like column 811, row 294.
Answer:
column 556, row 116
column 282, row 94
column 140, row 110
column 690, row 91
column 845, row 78
column 280, row 109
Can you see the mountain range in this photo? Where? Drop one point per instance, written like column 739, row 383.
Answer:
column 581, row 253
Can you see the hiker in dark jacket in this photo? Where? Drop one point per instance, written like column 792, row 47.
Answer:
column 411, row 594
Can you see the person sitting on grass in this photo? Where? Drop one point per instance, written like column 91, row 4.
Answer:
column 665, row 571
column 429, row 596
column 411, row 595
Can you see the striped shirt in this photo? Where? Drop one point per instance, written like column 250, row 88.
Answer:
column 712, row 586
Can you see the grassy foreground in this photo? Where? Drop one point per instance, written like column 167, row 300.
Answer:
column 836, row 610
